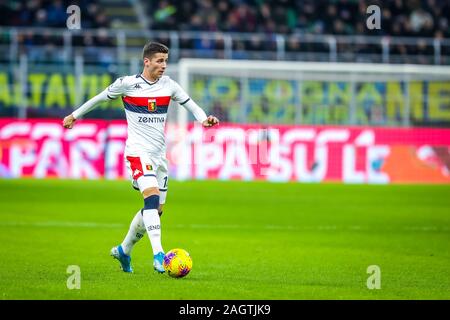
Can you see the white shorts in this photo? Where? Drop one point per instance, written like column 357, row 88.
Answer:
column 146, row 172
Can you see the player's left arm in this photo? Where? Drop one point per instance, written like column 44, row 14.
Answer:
column 183, row 99
column 200, row 115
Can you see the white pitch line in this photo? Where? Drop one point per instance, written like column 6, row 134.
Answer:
column 271, row 227
column 313, row 228
column 61, row 224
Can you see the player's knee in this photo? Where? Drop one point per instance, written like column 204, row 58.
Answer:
column 151, row 198
column 151, row 202
column 150, row 192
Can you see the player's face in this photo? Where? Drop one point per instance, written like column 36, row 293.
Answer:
column 156, row 65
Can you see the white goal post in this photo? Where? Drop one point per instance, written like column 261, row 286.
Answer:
column 280, row 92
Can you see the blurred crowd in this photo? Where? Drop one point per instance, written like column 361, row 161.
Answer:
column 420, row 18
column 261, row 20
column 301, row 21
column 46, row 46
column 50, row 13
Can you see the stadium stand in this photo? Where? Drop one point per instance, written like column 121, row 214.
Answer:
column 412, row 31
column 417, row 18
column 42, row 13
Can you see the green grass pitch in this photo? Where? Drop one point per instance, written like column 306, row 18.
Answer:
column 248, row 240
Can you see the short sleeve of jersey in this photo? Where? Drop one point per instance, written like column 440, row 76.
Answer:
column 116, row 89
column 178, row 94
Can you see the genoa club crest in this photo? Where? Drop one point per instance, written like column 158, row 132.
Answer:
column 151, row 105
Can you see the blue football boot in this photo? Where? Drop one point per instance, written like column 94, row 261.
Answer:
column 158, row 260
column 125, row 260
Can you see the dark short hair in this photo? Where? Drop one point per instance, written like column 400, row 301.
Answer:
column 153, row 47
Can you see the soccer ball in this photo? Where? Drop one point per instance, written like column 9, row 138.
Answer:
column 177, row 263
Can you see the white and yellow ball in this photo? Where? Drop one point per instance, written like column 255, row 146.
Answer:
column 177, row 263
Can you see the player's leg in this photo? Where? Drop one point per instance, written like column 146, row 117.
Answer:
column 151, row 218
column 122, row 252
column 134, row 234
column 144, row 172
column 137, row 228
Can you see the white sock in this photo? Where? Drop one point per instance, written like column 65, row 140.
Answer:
column 135, row 233
column 153, row 227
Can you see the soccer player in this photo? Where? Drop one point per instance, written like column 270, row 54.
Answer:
column 146, row 98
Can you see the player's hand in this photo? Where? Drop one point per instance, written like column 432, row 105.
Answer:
column 69, row 121
column 210, row 121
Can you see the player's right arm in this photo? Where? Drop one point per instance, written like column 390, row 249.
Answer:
column 114, row 91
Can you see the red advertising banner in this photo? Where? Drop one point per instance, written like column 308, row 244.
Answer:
column 43, row 148
column 94, row 149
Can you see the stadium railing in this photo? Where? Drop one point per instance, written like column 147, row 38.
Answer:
column 111, row 45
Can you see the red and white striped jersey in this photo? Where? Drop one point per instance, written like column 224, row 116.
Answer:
column 146, row 105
